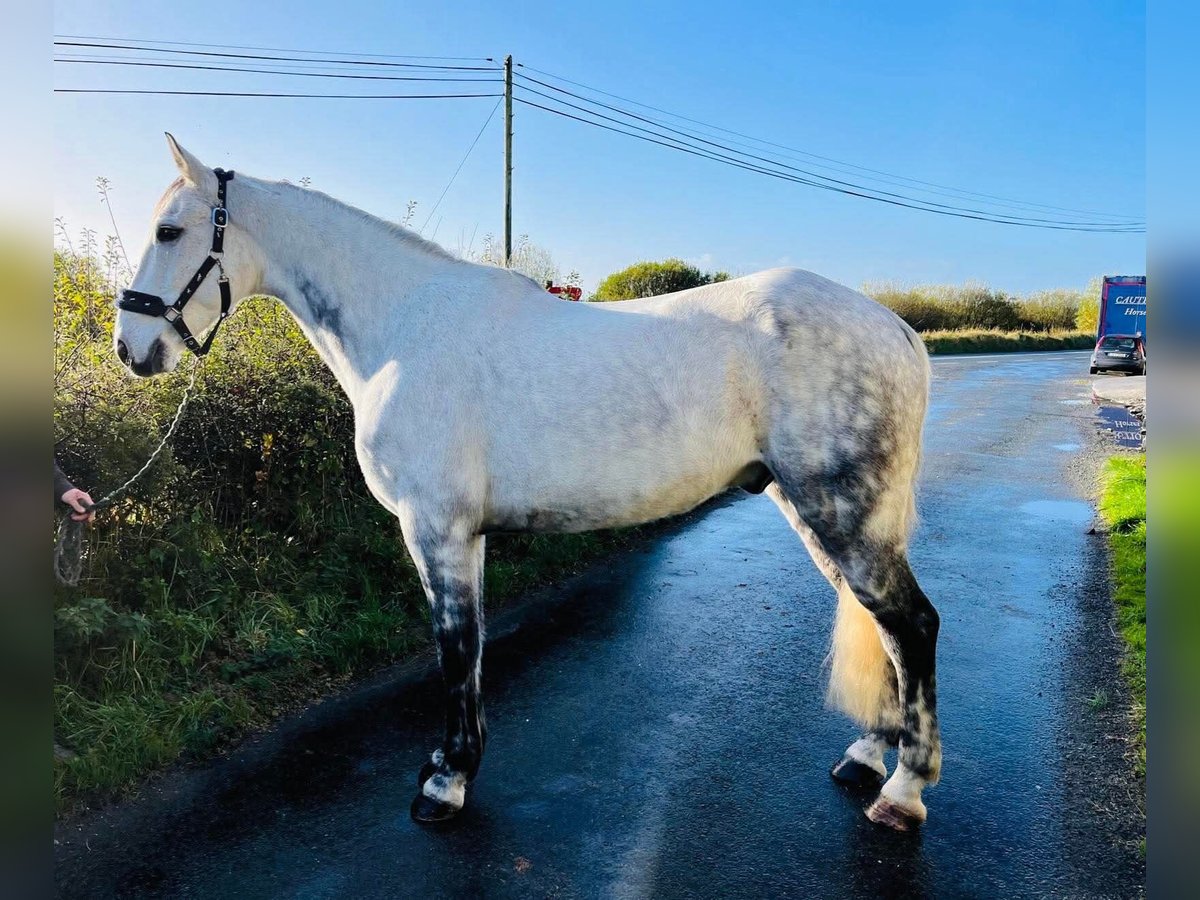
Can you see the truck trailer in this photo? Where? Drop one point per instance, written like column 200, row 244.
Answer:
column 1123, row 306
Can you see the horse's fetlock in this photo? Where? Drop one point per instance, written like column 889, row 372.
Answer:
column 464, row 758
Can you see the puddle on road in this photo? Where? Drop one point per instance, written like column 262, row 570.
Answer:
column 1121, row 425
column 1061, row 510
column 1067, row 448
column 1073, row 402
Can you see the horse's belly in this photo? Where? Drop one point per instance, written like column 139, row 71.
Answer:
column 611, row 503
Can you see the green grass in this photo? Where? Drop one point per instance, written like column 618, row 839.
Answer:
column 1123, row 507
column 993, row 341
column 137, row 691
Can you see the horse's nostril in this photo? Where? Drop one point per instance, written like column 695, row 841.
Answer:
column 122, row 352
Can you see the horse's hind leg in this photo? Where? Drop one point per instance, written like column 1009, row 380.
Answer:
column 860, row 518
column 861, row 661
column 451, row 570
column 885, row 586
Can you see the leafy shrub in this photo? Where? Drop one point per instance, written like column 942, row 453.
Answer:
column 649, row 279
column 976, row 306
column 967, row 340
column 1049, row 310
column 914, row 306
column 981, row 307
column 1087, row 318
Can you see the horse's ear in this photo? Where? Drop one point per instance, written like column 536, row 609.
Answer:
column 192, row 170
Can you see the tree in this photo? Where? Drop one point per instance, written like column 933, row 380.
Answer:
column 648, row 279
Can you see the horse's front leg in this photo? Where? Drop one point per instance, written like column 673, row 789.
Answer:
column 451, row 569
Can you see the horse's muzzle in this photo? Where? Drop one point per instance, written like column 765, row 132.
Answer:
column 153, row 364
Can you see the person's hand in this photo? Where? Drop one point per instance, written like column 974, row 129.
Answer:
column 75, row 498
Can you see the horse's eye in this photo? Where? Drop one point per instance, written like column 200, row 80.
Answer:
column 168, row 233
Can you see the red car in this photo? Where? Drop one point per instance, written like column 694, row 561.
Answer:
column 1120, row 353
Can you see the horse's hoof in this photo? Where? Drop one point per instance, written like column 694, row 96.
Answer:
column 852, row 772
column 885, row 812
column 426, row 810
column 427, row 772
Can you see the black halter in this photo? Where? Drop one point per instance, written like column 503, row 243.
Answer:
column 151, row 305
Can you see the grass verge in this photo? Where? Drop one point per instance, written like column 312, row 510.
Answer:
column 181, row 683
column 1123, row 507
column 990, row 341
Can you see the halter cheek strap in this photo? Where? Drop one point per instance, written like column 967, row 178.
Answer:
column 153, row 305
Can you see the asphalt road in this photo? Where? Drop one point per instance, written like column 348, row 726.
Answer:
column 657, row 727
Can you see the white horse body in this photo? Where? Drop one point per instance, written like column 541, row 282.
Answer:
column 484, row 404
column 556, row 416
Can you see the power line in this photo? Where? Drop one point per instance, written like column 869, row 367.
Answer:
column 817, row 156
column 254, row 94
column 121, row 56
column 466, row 155
column 785, row 177
column 694, row 136
column 88, row 37
column 715, row 150
column 192, row 66
column 347, row 62
column 876, row 193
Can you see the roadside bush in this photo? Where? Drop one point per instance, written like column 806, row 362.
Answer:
column 914, row 306
column 649, row 279
column 981, row 307
column 1087, row 318
column 967, row 340
column 976, row 306
column 1049, row 310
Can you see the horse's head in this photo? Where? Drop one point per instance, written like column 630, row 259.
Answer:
column 197, row 257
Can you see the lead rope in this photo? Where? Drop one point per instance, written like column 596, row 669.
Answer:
column 68, row 548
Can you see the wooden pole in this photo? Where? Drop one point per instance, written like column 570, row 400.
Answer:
column 508, row 109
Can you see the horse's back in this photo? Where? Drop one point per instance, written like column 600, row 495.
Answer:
column 786, row 303
column 806, row 324
column 838, row 370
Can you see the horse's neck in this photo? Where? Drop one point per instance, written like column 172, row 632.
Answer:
column 351, row 281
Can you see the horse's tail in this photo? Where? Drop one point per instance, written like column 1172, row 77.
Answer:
column 862, row 679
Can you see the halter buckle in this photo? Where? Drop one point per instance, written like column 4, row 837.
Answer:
column 171, row 313
column 220, row 217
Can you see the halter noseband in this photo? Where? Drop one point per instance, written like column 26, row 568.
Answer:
column 152, row 305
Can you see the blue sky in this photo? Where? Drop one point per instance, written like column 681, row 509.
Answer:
column 1036, row 101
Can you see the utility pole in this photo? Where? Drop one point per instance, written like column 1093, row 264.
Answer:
column 508, row 160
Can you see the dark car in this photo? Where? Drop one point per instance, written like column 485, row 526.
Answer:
column 1120, row 353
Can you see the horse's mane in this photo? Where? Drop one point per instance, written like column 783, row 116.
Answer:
column 396, row 230
column 393, row 229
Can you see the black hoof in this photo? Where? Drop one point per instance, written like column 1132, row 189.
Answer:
column 851, row 771
column 427, row 772
column 427, row 810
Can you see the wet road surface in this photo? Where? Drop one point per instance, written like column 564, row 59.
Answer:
column 663, row 734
